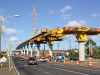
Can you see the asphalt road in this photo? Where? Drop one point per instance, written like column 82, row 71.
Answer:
column 48, row 68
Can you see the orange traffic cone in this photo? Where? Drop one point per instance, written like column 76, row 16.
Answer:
column 48, row 60
column 11, row 67
column 1, row 64
column 77, row 62
column 55, row 61
column 64, row 61
column 90, row 63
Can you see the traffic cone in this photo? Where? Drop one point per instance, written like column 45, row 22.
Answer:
column 90, row 63
column 1, row 64
column 64, row 61
column 48, row 60
column 55, row 61
column 77, row 62
column 11, row 67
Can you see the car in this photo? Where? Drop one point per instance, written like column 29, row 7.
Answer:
column 89, row 57
column 32, row 60
column 21, row 59
column 43, row 60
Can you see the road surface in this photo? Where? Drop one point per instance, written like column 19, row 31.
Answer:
column 49, row 68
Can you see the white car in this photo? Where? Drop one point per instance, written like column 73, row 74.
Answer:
column 43, row 60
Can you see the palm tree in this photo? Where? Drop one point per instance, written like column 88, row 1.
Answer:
column 92, row 43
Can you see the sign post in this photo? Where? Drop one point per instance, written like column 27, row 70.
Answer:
column 9, row 47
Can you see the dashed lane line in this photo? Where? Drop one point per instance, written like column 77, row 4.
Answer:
column 65, row 70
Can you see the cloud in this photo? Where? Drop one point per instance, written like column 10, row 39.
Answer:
column 47, row 27
column 66, row 37
column 65, row 9
column 94, row 37
column 3, row 20
column 51, row 11
column 10, row 31
column 13, row 39
column 94, row 15
column 75, row 23
column 3, row 39
column 2, row 10
column 65, row 16
column 15, row 43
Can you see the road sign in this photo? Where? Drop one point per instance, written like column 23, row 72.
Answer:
column 9, row 46
column 9, row 52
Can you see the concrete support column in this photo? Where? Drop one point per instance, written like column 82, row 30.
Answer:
column 81, row 52
column 27, row 48
column 38, row 51
column 24, row 50
column 31, row 49
column 50, row 50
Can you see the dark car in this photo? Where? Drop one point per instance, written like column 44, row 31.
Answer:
column 21, row 59
column 31, row 60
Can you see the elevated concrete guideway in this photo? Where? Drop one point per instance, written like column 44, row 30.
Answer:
column 54, row 34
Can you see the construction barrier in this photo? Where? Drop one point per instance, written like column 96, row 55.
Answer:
column 55, row 61
column 11, row 67
column 77, row 62
column 48, row 60
column 1, row 64
column 64, row 61
column 90, row 63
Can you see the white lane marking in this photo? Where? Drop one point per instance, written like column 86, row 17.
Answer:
column 64, row 70
column 77, row 67
column 46, row 72
column 15, row 67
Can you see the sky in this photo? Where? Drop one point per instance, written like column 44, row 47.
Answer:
column 50, row 14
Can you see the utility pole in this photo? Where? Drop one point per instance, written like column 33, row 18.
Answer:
column 89, row 45
column 70, row 46
column 0, row 37
column 58, row 48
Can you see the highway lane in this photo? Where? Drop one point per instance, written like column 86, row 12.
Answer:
column 44, row 68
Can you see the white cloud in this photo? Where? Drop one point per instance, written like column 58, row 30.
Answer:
column 96, row 37
column 75, row 23
column 3, row 39
column 65, row 16
column 13, row 39
column 2, row 10
column 51, row 11
column 15, row 43
column 66, row 37
column 47, row 27
column 3, row 20
column 10, row 31
column 65, row 9
column 94, row 15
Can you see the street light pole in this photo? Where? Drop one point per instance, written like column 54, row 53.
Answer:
column 70, row 46
column 0, row 37
column 58, row 48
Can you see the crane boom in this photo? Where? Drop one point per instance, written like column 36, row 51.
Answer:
column 34, row 20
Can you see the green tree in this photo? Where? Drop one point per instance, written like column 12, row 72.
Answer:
column 92, row 43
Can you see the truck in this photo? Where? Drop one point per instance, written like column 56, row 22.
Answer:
column 59, row 57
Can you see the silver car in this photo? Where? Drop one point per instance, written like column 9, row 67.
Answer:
column 31, row 60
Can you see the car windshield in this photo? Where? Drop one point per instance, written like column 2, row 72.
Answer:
column 43, row 58
column 31, row 58
column 21, row 58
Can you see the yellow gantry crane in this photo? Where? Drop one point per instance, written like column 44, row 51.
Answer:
column 34, row 21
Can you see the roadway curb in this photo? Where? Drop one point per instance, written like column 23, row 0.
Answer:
column 15, row 68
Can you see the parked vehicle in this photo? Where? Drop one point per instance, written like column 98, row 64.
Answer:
column 21, row 59
column 89, row 57
column 31, row 60
column 43, row 60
